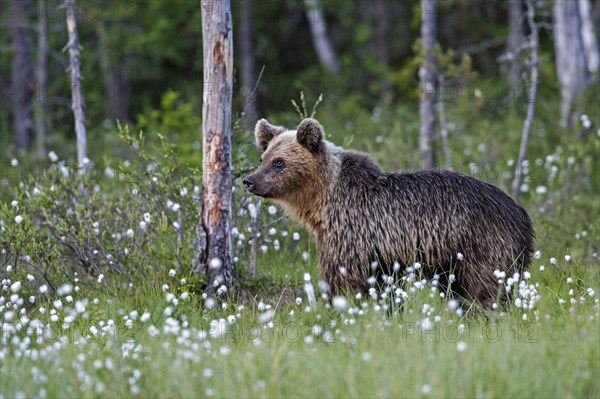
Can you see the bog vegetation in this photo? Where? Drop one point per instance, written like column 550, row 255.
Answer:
column 97, row 292
column 98, row 297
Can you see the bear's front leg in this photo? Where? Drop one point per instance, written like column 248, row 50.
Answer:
column 343, row 273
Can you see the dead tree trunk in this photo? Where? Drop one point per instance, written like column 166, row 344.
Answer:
column 444, row 126
column 516, row 37
column 589, row 38
column 576, row 53
column 115, row 67
column 41, row 77
column 215, row 249
column 249, row 85
column 22, row 90
column 76, row 90
column 318, row 29
column 248, row 62
column 427, row 77
column 382, row 40
column 534, row 62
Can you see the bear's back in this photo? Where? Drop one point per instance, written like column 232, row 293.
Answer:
column 429, row 211
column 360, row 177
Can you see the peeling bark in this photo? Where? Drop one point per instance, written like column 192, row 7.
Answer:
column 76, row 90
column 215, row 248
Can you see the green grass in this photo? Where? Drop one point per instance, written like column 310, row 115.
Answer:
column 364, row 350
column 323, row 352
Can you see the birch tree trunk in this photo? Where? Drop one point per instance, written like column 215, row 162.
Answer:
column 318, row 29
column 382, row 39
column 576, row 53
column 41, row 77
column 534, row 62
column 516, row 37
column 427, row 77
column 76, row 90
column 589, row 38
column 214, row 232
column 115, row 65
column 22, row 90
column 248, row 61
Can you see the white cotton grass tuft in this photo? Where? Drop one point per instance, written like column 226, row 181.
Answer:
column 215, row 263
column 145, row 317
column 218, row 328
column 426, row 389
column 266, row 316
column 65, row 289
column 309, row 290
column 252, row 210
column 453, row 304
column 585, row 121
column 340, row 303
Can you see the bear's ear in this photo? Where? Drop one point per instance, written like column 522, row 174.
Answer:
column 310, row 135
column 264, row 133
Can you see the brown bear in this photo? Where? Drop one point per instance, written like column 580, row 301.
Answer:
column 450, row 223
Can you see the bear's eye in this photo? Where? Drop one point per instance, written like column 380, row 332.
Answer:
column 278, row 163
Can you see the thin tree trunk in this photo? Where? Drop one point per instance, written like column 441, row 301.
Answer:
column 248, row 62
column 516, row 37
column 41, row 74
column 382, row 39
column 116, row 86
column 571, row 63
column 444, row 126
column 427, row 77
column 318, row 29
column 22, row 76
column 590, row 41
column 215, row 249
column 76, row 90
column 534, row 48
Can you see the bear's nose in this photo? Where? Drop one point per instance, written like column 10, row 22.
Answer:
column 249, row 183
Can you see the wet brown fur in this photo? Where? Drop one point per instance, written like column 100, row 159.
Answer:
column 360, row 214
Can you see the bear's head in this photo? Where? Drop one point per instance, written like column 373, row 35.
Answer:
column 289, row 160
